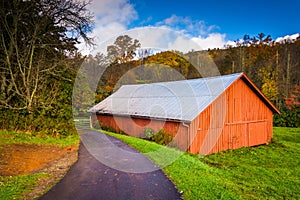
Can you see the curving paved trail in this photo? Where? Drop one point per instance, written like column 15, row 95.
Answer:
column 89, row 178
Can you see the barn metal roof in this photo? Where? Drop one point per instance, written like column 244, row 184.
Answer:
column 177, row 100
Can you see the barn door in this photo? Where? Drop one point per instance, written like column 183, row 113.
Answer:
column 257, row 133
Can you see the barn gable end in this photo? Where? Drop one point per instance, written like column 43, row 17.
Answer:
column 237, row 118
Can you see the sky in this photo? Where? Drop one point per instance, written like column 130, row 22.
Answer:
column 209, row 24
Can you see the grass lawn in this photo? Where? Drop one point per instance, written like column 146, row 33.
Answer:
column 263, row 172
column 8, row 137
column 14, row 187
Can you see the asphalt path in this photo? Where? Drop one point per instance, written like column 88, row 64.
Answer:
column 101, row 174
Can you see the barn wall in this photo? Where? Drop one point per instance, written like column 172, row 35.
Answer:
column 135, row 127
column 237, row 118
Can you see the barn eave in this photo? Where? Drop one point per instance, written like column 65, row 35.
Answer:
column 260, row 94
column 143, row 117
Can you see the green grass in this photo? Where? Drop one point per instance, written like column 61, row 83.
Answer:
column 9, row 137
column 263, row 172
column 14, row 187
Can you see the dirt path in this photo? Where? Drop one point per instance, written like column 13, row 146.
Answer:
column 91, row 179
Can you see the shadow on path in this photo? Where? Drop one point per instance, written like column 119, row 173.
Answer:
column 89, row 178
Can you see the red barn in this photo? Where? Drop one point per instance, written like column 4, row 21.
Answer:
column 205, row 115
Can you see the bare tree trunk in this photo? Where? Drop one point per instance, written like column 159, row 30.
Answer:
column 276, row 78
column 288, row 75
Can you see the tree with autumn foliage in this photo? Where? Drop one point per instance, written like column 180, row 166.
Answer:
column 123, row 49
column 290, row 114
column 274, row 67
column 269, row 87
column 293, row 101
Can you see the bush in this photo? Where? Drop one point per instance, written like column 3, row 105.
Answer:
column 148, row 133
column 43, row 123
column 287, row 118
column 96, row 124
column 161, row 137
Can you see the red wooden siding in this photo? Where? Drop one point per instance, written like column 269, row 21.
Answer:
column 237, row 118
column 135, row 127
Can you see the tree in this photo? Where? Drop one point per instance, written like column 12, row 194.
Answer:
column 262, row 39
column 293, row 101
column 123, row 49
column 269, row 85
column 37, row 38
column 246, row 40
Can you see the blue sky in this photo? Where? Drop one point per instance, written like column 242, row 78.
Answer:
column 234, row 18
column 212, row 23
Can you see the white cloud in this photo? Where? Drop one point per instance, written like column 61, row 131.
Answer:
column 111, row 18
column 213, row 40
column 184, row 44
column 155, row 37
column 231, row 43
column 173, row 20
column 287, row 38
column 201, row 34
column 107, row 11
column 170, row 39
column 189, row 26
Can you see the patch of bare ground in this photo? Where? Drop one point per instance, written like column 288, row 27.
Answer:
column 20, row 159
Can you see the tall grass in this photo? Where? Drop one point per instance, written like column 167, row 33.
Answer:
column 10, row 137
